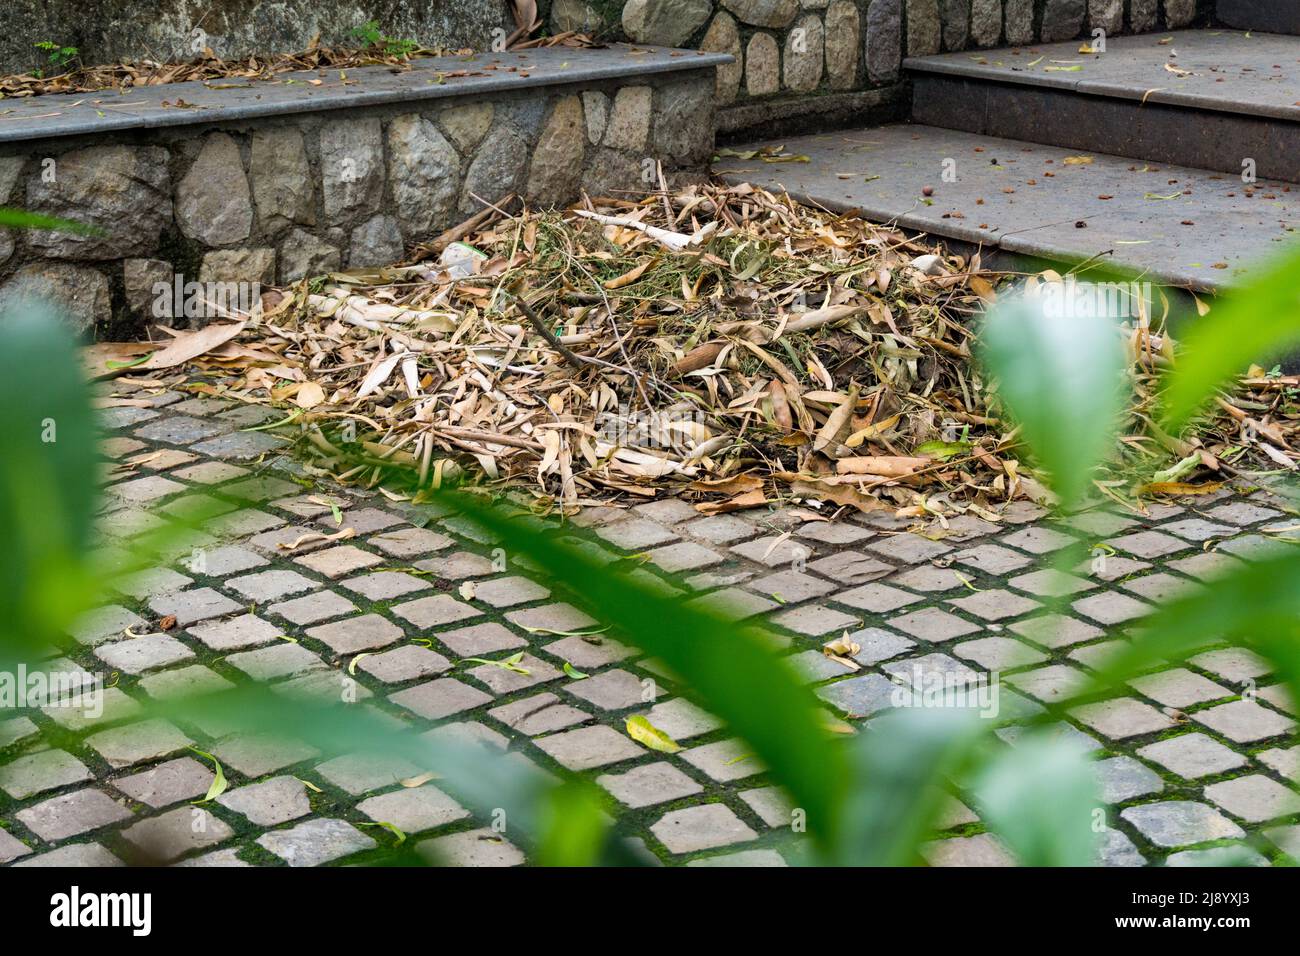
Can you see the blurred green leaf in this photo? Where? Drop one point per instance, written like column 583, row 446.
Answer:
column 1256, row 323
column 899, row 766
column 728, row 667
column 1041, row 797
column 21, row 219
column 49, row 469
column 1059, row 376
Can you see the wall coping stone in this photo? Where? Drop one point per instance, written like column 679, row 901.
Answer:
column 236, row 99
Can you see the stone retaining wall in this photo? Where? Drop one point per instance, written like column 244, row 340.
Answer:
column 798, row 60
column 276, row 199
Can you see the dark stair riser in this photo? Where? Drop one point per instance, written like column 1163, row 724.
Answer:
column 1184, row 136
column 1264, row 16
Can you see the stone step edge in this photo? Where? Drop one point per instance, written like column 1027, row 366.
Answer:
column 48, row 122
column 1084, row 87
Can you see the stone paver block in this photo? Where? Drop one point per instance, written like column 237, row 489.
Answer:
column 684, row 556
column 1055, row 630
column 1192, row 755
column 1244, row 721
column 1123, row 779
column 560, row 619
column 1050, row 582
column 1037, row 540
column 256, row 755
column 908, row 548
column 680, row 719
column 236, row 633
column 636, row 534
column 876, row 598
column 589, row 747
column 475, row 848
column 590, row 651
column 146, row 489
column 320, row 606
column 732, row 604
column 791, row 587
column 440, row 698
column 851, row 567
column 991, row 559
column 814, row 620
column 613, row 690
column 353, row 634
column 725, row 760
column 138, row 743
column 165, row 838
column 1111, row 607
column 413, row 810
column 435, row 611
column 510, row 591
column 1198, row 529
column 267, row 586
column 359, row 773
column 339, row 560
column 771, row 805
column 270, row 663
column 999, row 653
column 193, row 606
column 1233, row 664
column 77, row 855
column 1178, row 823
column 181, row 779
column 701, row 828
column 502, row 680
column 1284, row 762
column 540, row 714
column 995, row 604
column 478, row 640
column 11, row 848
column 142, row 654
column 980, row 850
column 316, row 842
column 1218, row 856
column 363, row 520
column 1148, row 544
column 932, row 624
column 774, row 551
column 193, row 681
column 860, row 696
column 410, row 542
column 385, row 585
column 72, row 814
column 1254, row 798
column 1179, row 688
column 649, row 784
column 1122, row 718
column 1051, row 684
column 1242, row 513
column 720, row 529
column 269, row 803
column 879, row 645
column 105, row 623
column 406, row 663
column 152, row 582
column 458, row 566
column 109, row 706
column 240, row 446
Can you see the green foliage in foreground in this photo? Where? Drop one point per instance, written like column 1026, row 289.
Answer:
column 868, row 798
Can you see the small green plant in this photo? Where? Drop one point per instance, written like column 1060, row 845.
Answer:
column 58, row 56
column 373, row 37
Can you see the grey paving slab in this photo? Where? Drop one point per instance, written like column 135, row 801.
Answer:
column 1226, row 71
column 993, row 204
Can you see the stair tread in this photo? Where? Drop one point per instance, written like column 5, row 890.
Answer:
column 1236, row 233
column 1230, row 71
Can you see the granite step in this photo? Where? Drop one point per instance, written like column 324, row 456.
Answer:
column 1272, row 16
column 1173, row 225
column 1221, row 100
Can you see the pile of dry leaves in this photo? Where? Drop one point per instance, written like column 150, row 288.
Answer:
column 718, row 342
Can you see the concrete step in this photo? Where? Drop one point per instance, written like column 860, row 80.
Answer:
column 1227, row 101
column 1178, row 226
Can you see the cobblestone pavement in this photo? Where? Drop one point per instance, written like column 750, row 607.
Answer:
column 1195, row 758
